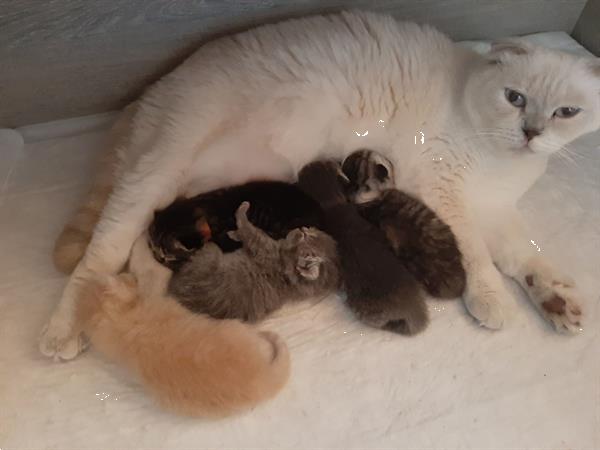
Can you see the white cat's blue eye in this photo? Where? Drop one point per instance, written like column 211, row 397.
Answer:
column 566, row 112
column 515, row 98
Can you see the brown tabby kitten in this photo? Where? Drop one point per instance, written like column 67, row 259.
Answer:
column 259, row 278
column 422, row 241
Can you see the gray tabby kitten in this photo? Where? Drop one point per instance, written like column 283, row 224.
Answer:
column 259, row 278
column 422, row 241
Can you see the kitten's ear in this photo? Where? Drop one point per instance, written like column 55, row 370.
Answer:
column 295, row 236
column 503, row 49
column 342, row 177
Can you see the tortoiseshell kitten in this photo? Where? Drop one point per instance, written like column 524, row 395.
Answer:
column 380, row 290
column 183, row 227
column 422, row 241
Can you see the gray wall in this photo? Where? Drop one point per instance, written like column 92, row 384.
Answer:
column 587, row 30
column 73, row 57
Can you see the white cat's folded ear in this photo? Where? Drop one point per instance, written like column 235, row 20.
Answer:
column 500, row 50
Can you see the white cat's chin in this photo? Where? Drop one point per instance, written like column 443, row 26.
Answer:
column 524, row 147
column 542, row 148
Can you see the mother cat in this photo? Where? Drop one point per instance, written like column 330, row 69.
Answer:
column 466, row 133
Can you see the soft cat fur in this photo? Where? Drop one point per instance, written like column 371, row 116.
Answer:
column 259, row 278
column 424, row 243
column 264, row 102
column 379, row 289
column 191, row 364
column 184, row 226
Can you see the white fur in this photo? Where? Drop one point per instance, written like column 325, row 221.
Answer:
column 264, row 102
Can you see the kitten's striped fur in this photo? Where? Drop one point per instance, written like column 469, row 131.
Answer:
column 424, row 243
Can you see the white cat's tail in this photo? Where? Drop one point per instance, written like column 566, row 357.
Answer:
column 72, row 242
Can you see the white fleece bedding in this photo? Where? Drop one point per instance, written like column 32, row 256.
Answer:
column 454, row 386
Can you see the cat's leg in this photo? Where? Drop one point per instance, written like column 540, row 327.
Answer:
column 127, row 213
column 516, row 254
column 485, row 296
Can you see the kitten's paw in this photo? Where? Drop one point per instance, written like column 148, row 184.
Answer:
column 242, row 210
column 487, row 300
column 57, row 341
column 556, row 298
column 233, row 235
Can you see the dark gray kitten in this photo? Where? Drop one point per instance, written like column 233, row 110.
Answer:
column 423, row 242
column 259, row 278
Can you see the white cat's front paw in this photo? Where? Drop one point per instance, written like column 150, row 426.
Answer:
column 57, row 341
column 487, row 300
column 556, row 298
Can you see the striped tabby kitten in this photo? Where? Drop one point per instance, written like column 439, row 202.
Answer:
column 422, row 241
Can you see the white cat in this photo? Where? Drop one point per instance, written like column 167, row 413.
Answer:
column 468, row 134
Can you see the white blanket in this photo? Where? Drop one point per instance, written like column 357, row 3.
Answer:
column 456, row 385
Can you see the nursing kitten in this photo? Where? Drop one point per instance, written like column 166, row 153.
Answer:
column 423, row 242
column 262, row 103
column 183, row 227
column 259, row 278
column 379, row 289
column 192, row 364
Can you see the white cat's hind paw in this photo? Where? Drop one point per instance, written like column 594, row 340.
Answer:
column 57, row 341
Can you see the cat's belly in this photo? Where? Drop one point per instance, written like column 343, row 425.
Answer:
column 279, row 139
column 274, row 152
column 236, row 158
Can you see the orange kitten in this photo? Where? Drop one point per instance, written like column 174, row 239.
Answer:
column 191, row 363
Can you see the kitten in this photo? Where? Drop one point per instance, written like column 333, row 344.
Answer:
column 259, row 278
column 423, row 242
column 192, row 364
column 182, row 228
column 379, row 289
